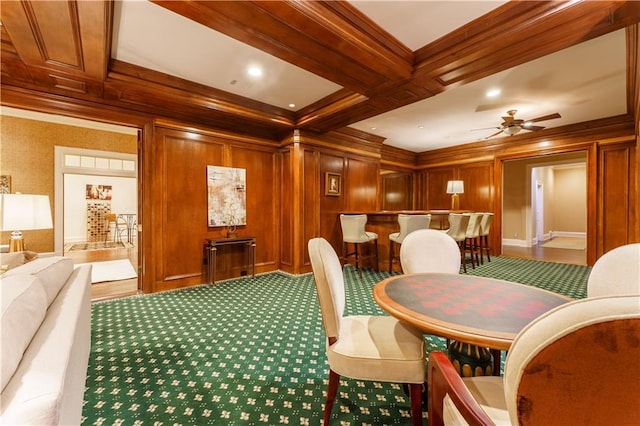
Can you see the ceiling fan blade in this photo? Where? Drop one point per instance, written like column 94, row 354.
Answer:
column 507, row 120
column 485, row 128
column 496, row 133
column 534, row 128
column 545, row 117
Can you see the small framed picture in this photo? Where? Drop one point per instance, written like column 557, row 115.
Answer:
column 5, row 184
column 332, row 183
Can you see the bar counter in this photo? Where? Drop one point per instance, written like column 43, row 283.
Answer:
column 385, row 222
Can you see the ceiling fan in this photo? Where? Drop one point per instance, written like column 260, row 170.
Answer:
column 512, row 125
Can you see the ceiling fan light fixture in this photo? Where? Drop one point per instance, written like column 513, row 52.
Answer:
column 511, row 130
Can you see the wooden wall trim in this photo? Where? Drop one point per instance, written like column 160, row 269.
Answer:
column 343, row 141
column 219, row 134
column 534, row 143
column 62, row 105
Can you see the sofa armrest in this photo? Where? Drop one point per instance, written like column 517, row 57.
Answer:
column 445, row 380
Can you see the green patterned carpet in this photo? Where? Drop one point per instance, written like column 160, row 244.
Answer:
column 250, row 351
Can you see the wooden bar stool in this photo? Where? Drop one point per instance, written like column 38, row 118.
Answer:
column 353, row 232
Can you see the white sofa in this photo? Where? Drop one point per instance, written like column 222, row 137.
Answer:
column 45, row 342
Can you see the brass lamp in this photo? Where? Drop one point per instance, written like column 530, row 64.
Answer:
column 23, row 212
column 455, row 187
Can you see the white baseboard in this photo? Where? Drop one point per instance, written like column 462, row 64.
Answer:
column 514, row 242
column 568, row 234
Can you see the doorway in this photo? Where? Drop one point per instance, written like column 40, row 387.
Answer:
column 545, row 205
column 93, row 187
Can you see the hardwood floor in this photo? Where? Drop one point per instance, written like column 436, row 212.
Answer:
column 537, row 252
column 110, row 289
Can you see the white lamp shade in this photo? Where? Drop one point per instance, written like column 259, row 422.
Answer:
column 455, row 187
column 22, row 212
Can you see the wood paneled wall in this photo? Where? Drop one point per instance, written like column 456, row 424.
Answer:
column 615, row 183
column 286, row 197
column 478, row 186
column 177, row 224
column 396, row 191
column 611, row 174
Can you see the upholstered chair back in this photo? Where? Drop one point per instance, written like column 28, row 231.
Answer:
column 577, row 364
column 616, row 272
column 353, row 228
column 411, row 222
column 473, row 227
column 327, row 272
column 458, row 223
column 429, row 250
column 485, row 223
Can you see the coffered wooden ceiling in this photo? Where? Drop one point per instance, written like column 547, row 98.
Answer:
column 63, row 49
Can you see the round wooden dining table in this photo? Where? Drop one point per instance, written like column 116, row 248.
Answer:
column 480, row 311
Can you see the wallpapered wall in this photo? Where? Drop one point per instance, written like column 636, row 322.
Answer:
column 27, row 155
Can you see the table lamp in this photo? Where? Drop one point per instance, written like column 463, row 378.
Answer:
column 455, row 187
column 23, row 212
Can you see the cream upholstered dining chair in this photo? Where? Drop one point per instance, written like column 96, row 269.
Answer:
column 471, row 243
column 574, row 365
column 458, row 223
column 408, row 223
column 354, row 232
column 364, row 347
column 616, row 272
column 485, row 228
column 429, row 250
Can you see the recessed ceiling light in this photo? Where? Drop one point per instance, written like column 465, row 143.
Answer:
column 373, row 128
column 254, row 71
column 292, row 105
column 492, row 93
column 421, row 127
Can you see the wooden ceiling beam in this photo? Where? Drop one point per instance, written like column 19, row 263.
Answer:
column 71, row 38
column 63, row 47
column 330, row 39
column 513, row 34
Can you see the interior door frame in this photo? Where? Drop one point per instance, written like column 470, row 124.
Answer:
column 592, row 172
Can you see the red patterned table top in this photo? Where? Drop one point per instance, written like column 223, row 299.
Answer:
column 471, row 309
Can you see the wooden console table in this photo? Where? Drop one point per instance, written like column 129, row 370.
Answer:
column 211, row 248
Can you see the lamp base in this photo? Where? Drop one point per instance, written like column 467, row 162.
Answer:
column 16, row 244
column 455, row 202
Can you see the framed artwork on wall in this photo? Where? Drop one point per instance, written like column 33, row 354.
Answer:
column 5, row 184
column 98, row 192
column 226, row 197
column 332, row 183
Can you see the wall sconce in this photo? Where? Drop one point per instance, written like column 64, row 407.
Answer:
column 23, row 212
column 455, row 187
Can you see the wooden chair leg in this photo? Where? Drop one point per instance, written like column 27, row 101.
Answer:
column 375, row 243
column 497, row 361
column 332, row 391
column 391, row 255
column 415, row 393
column 463, row 258
column 486, row 244
column 468, row 245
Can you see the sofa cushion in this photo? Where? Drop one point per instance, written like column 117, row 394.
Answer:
column 24, row 306
column 52, row 271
